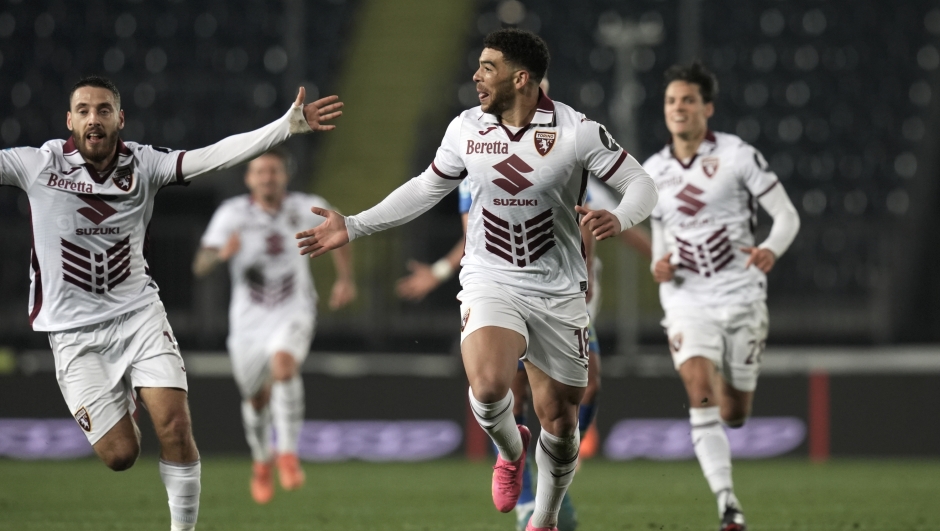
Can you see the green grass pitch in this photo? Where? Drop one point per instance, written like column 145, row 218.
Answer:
column 453, row 495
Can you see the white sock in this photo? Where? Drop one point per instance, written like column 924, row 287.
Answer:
column 182, row 489
column 713, row 451
column 257, row 431
column 497, row 421
column 287, row 408
column 557, row 458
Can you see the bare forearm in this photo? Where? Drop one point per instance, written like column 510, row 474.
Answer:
column 206, row 260
column 342, row 262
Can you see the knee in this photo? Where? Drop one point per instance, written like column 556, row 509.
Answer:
column 122, row 457
column 488, row 394
column 283, row 366
column 176, row 430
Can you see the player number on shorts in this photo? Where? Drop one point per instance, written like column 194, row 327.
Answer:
column 584, row 341
column 172, row 340
column 756, row 348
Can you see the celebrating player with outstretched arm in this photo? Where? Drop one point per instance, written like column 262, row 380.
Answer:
column 91, row 199
column 273, row 310
column 712, row 275
column 527, row 160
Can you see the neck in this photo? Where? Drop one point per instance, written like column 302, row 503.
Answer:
column 270, row 204
column 686, row 146
column 522, row 110
column 104, row 165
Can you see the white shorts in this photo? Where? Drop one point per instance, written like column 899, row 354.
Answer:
column 732, row 337
column 251, row 352
column 555, row 330
column 99, row 367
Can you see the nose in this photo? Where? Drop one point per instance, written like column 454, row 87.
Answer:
column 477, row 77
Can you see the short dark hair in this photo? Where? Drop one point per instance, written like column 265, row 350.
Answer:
column 522, row 48
column 96, row 81
column 694, row 73
column 282, row 154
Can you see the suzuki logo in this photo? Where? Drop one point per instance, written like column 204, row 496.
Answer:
column 692, row 204
column 513, row 168
column 99, row 210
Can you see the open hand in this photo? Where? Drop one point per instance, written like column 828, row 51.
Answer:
column 418, row 284
column 324, row 237
column 601, row 223
column 322, row 110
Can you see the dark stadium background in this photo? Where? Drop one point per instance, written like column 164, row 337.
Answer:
column 839, row 100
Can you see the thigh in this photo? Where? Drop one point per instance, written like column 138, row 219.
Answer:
column 90, row 372
column 746, row 339
column 152, row 348
column 293, row 336
column 250, row 364
column 694, row 333
column 166, row 406
column 490, row 356
column 558, row 339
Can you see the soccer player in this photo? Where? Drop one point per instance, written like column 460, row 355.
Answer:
column 712, row 276
column 424, row 279
column 527, row 160
column 273, row 309
column 91, row 199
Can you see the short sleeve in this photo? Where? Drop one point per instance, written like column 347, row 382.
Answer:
column 755, row 173
column 221, row 227
column 162, row 166
column 15, row 164
column 448, row 163
column 464, row 199
column 597, row 151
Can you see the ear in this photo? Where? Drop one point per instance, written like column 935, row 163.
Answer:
column 120, row 119
column 68, row 120
column 709, row 109
column 521, row 79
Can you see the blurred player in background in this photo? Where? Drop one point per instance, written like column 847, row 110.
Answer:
column 273, row 309
column 425, row 278
column 91, row 199
column 524, row 275
column 712, row 276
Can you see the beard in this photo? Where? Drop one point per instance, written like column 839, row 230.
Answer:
column 97, row 153
column 500, row 99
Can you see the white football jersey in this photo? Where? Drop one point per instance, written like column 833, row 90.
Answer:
column 708, row 208
column 271, row 281
column 88, row 260
column 522, row 228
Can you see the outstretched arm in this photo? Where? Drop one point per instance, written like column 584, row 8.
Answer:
column 407, row 202
column 234, row 150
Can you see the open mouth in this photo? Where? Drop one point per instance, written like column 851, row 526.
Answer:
column 94, row 138
column 483, row 96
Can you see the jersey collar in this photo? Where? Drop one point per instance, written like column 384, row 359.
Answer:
column 707, row 145
column 544, row 113
column 72, row 156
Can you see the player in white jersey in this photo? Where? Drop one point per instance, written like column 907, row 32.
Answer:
column 712, row 275
column 527, row 160
column 425, row 278
column 91, row 199
column 272, row 313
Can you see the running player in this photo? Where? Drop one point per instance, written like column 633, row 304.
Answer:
column 91, row 199
column 524, row 276
column 424, row 279
column 712, row 276
column 273, row 310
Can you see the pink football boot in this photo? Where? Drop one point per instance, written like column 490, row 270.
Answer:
column 507, row 476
